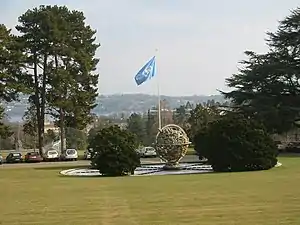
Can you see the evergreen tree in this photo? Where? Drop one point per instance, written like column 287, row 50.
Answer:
column 36, row 41
column 267, row 85
column 57, row 42
column 11, row 82
column 151, row 126
column 180, row 116
column 200, row 117
column 30, row 123
column 115, row 151
column 136, row 125
column 236, row 143
column 74, row 85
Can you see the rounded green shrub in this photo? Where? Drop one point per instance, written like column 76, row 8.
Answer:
column 236, row 143
column 114, row 151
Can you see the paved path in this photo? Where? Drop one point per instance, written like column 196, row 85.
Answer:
column 187, row 158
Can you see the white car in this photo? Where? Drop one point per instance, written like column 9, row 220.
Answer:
column 1, row 159
column 70, row 154
column 51, row 155
column 148, row 152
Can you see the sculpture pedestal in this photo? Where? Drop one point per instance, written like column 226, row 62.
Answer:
column 172, row 166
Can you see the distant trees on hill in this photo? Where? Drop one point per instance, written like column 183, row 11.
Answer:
column 189, row 117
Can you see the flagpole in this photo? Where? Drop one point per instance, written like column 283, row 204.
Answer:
column 158, row 97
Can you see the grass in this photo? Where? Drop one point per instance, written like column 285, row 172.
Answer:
column 40, row 196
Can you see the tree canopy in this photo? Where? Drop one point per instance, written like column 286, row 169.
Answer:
column 58, row 51
column 267, row 85
column 200, row 117
column 11, row 80
column 137, row 125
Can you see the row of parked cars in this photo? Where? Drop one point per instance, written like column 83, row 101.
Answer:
column 68, row 155
column 50, row 155
column 146, row 152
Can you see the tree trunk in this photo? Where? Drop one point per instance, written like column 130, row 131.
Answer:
column 61, row 116
column 62, row 130
column 34, row 142
column 43, row 93
column 40, row 123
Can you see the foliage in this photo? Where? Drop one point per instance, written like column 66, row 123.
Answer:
column 267, row 85
column 30, row 121
column 236, row 143
column 115, row 153
column 76, row 138
column 5, row 130
column 34, row 42
column 30, row 127
column 57, row 42
column 136, row 125
column 74, row 85
column 11, row 82
column 151, row 127
column 99, row 123
column 181, row 115
column 6, row 144
column 200, row 117
column 50, row 136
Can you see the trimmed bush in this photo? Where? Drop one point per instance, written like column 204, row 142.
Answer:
column 114, row 151
column 236, row 143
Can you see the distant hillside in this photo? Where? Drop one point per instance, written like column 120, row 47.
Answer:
column 141, row 102
column 117, row 104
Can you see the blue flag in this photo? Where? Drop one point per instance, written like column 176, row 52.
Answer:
column 146, row 72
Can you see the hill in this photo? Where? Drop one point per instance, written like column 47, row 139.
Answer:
column 128, row 103
column 120, row 104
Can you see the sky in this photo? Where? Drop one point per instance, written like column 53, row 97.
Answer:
column 199, row 43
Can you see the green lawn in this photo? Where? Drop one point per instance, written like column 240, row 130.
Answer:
column 40, row 196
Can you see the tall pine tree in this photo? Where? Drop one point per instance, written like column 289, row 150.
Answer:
column 11, row 66
column 267, row 86
column 59, row 49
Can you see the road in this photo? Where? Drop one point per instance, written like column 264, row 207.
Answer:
column 187, row 158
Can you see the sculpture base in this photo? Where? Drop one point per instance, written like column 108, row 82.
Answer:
column 172, row 166
column 146, row 170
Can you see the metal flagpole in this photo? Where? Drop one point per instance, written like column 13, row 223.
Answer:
column 158, row 96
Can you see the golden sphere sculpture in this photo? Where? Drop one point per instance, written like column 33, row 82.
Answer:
column 171, row 145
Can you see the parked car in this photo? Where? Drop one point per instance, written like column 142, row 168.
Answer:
column 33, row 157
column 87, row 154
column 1, row 159
column 147, row 152
column 69, row 154
column 51, row 155
column 14, row 157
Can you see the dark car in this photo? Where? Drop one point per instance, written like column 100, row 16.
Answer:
column 14, row 157
column 33, row 157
